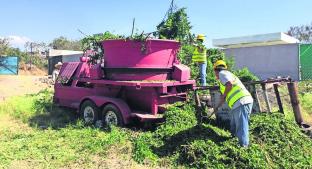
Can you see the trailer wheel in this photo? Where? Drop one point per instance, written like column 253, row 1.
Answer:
column 89, row 112
column 112, row 116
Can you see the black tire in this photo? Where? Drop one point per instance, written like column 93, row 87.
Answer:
column 89, row 112
column 112, row 116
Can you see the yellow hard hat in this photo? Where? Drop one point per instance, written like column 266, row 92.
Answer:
column 219, row 63
column 200, row 37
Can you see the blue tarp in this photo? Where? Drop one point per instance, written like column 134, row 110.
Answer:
column 9, row 65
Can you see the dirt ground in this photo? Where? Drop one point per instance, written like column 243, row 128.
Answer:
column 14, row 85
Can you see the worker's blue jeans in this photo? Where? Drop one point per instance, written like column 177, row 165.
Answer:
column 202, row 73
column 239, row 123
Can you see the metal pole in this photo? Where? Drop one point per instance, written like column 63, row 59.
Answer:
column 278, row 98
column 293, row 93
column 132, row 27
column 266, row 97
column 31, row 53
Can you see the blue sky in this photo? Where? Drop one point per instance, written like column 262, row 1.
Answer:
column 44, row 20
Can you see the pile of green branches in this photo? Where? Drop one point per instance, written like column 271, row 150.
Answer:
column 275, row 143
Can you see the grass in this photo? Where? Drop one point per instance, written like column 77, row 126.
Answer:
column 52, row 140
column 49, row 137
column 56, row 148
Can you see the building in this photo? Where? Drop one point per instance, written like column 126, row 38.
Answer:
column 56, row 56
column 269, row 55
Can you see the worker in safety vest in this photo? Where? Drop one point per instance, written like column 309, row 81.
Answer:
column 238, row 99
column 200, row 57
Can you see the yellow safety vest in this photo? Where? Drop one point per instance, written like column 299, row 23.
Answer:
column 199, row 56
column 238, row 91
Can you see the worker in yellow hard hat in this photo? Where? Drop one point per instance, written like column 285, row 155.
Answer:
column 238, row 99
column 200, row 57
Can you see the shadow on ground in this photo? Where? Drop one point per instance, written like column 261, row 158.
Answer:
column 54, row 117
column 175, row 142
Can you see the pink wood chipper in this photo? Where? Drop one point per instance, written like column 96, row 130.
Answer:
column 132, row 80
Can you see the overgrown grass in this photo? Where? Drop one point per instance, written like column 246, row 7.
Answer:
column 276, row 142
column 62, row 142
column 56, row 148
column 305, row 96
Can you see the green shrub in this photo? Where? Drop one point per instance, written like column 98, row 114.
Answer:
column 245, row 75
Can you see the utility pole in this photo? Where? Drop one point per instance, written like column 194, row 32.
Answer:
column 31, row 54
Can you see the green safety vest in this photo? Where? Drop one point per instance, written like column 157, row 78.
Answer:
column 200, row 57
column 238, row 91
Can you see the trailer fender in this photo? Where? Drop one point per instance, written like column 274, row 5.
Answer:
column 101, row 101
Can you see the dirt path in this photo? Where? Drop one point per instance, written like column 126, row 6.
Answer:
column 12, row 85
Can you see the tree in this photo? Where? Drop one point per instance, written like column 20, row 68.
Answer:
column 62, row 43
column 176, row 26
column 36, row 47
column 4, row 46
column 303, row 33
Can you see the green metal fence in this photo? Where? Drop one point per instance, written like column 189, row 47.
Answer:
column 305, row 61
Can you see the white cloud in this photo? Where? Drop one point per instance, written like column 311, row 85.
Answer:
column 18, row 41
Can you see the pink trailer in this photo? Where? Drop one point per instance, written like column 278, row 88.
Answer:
column 132, row 83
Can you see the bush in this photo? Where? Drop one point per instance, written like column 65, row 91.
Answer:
column 245, row 75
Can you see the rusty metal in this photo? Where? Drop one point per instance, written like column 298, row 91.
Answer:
column 251, row 86
column 278, row 98
column 293, row 93
column 277, row 80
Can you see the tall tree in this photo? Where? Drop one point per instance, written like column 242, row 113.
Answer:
column 176, row 26
column 63, row 43
column 302, row 32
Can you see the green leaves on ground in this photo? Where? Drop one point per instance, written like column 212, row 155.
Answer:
column 276, row 142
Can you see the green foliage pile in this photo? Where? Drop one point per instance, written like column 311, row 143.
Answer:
column 90, row 42
column 176, row 26
column 275, row 143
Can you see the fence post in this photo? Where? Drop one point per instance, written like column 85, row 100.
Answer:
column 266, row 97
column 253, row 91
column 293, row 93
column 278, row 98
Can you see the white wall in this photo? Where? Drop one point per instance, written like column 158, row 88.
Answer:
column 268, row 61
column 71, row 58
